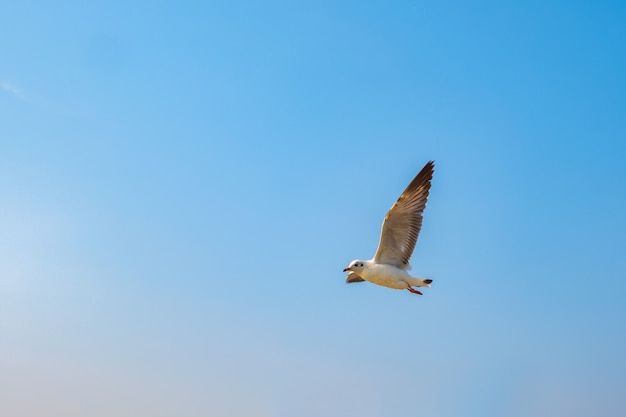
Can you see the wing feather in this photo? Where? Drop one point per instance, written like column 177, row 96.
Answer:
column 353, row 277
column 403, row 221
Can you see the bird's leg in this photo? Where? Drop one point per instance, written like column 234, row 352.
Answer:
column 413, row 290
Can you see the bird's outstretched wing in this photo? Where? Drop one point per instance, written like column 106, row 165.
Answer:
column 353, row 277
column 403, row 221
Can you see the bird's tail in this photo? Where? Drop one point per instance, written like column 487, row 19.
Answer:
column 420, row 282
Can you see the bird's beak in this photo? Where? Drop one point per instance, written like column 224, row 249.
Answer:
column 346, row 269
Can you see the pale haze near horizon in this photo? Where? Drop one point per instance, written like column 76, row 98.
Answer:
column 182, row 185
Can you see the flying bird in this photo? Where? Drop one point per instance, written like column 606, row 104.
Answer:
column 398, row 237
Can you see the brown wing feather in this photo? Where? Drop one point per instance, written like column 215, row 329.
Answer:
column 353, row 277
column 403, row 221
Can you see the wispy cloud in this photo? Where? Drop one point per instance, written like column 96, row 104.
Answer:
column 35, row 100
column 13, row 90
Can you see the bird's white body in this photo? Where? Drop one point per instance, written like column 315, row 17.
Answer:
column 389, row 276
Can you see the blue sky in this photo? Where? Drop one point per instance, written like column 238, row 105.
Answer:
column 182, row 184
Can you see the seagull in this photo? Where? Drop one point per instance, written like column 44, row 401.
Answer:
column 398, row 236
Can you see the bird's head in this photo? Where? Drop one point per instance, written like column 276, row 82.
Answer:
column 355, row 266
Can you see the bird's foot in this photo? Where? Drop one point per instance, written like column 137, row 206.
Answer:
column 414, row 291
